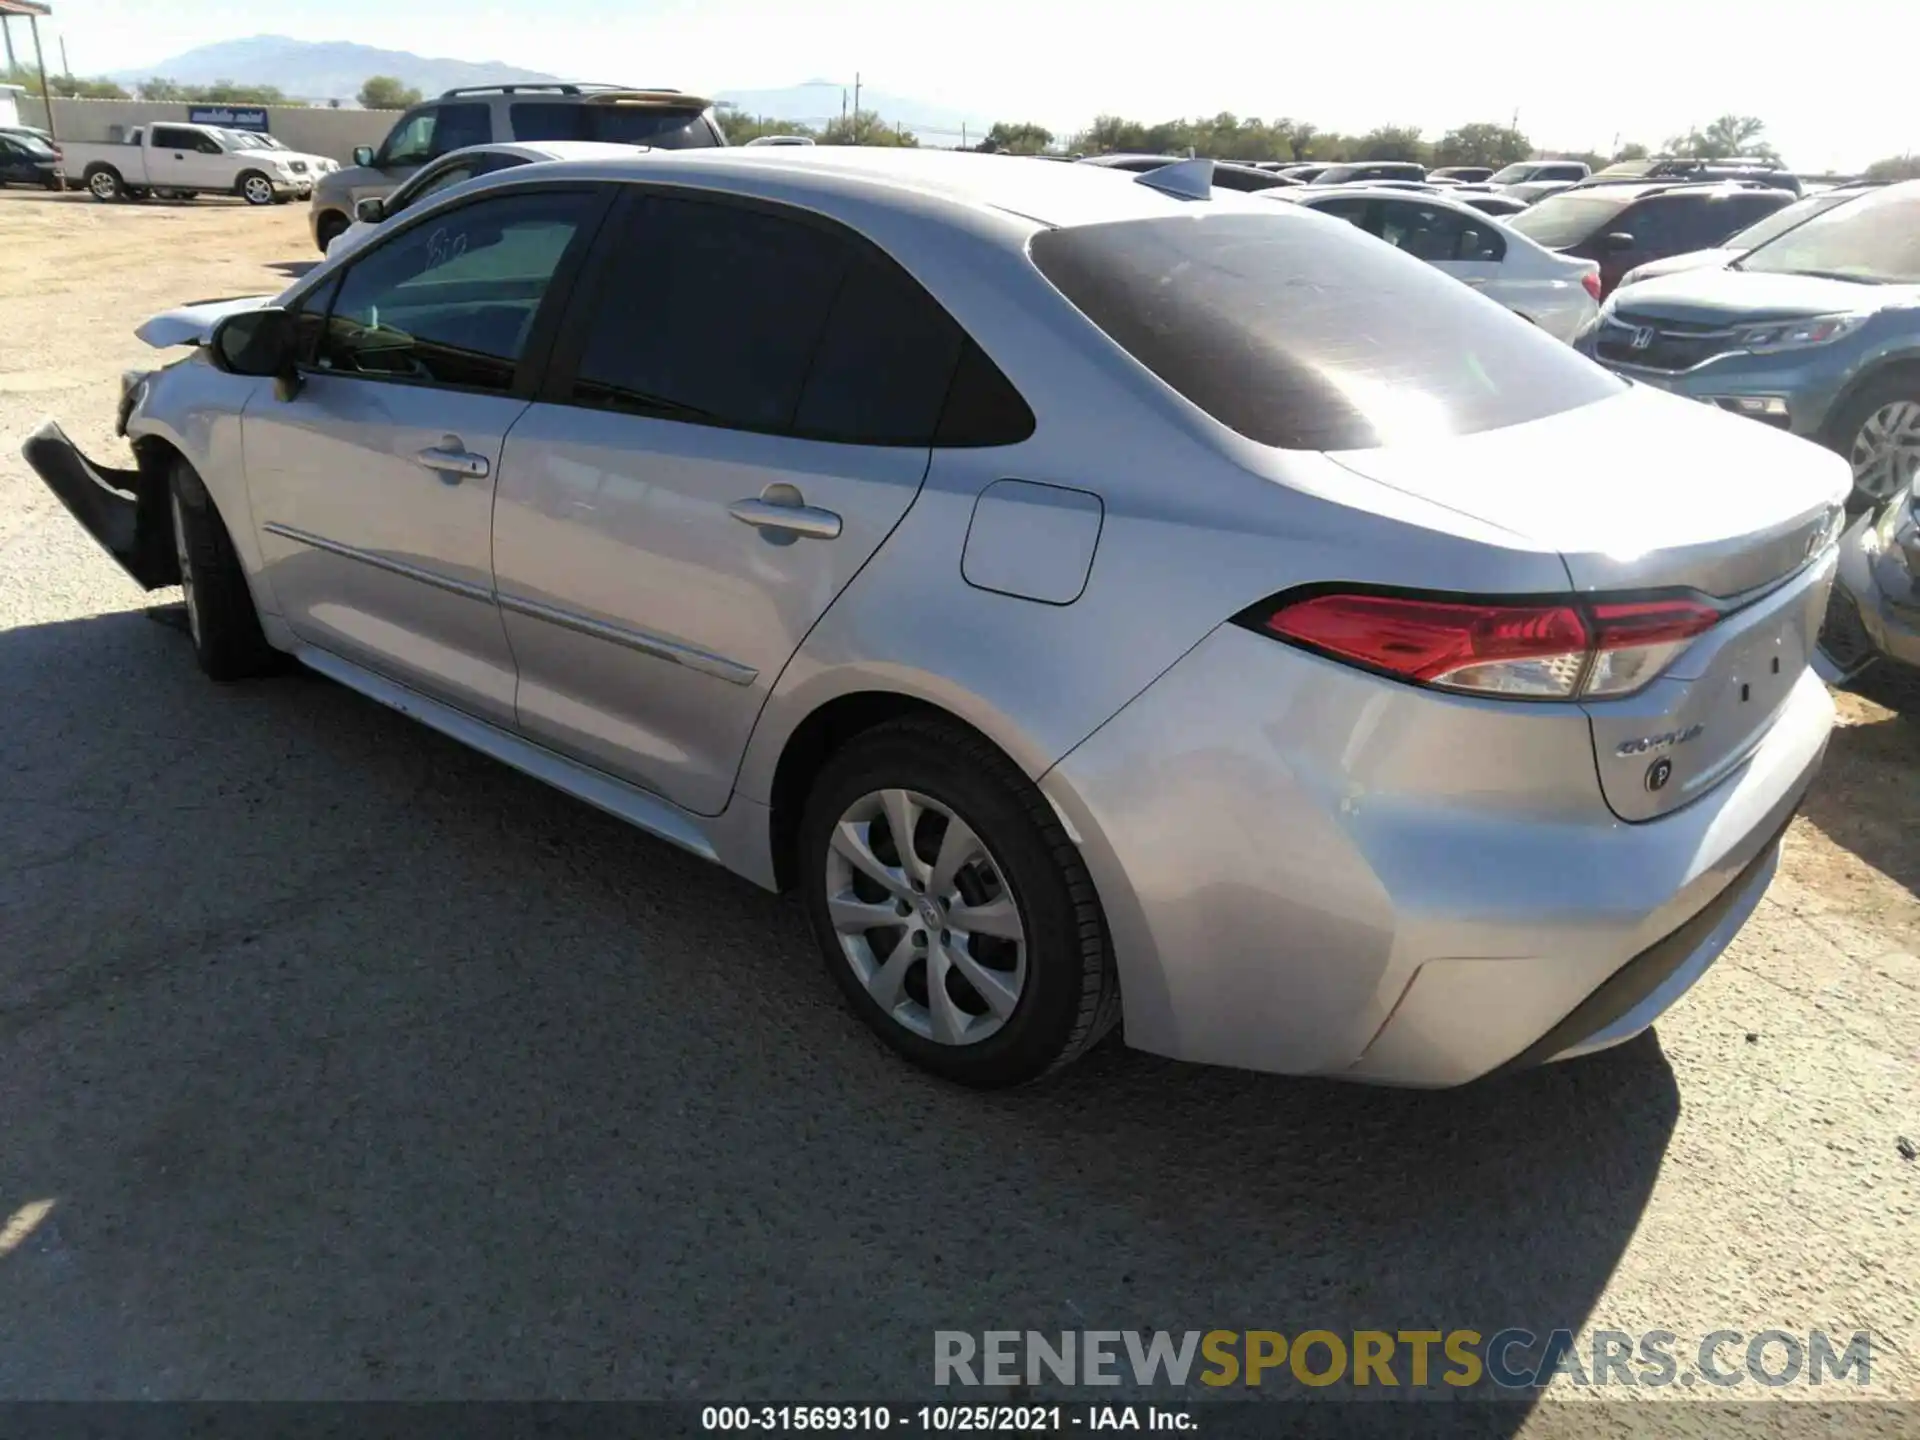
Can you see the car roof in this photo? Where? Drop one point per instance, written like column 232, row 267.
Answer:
column 905, row 178
column 546, row 149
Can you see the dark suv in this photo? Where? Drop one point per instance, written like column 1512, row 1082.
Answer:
column 1621, row 226
column 483, row 114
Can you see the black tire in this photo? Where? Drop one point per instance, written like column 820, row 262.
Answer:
column 1843, row 428
column 103, row 182
column 55, row 182
column 329, row 228
column 1071, row 996
column 221, row 619
column 260, row 194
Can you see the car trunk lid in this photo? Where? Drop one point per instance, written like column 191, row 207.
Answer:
column 1650, row 493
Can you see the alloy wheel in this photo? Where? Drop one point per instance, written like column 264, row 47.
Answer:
column 186, row 571
column 103, row 185
column 925, row 917
column 258, row 191
column 1886, row 450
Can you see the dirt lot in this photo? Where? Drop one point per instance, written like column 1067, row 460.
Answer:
column 339, row 1061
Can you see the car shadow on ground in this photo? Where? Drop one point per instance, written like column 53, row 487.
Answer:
column 351, row 1063
column 1869, row 790
column 293, row 269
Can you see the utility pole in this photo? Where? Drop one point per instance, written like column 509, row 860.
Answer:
column 7, row 30
column 65, row 68
column 857, row 127
column 46, row 91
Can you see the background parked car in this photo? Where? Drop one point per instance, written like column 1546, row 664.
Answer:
column 1623, row 226
column 454, row 169
column 1558, row 294
column 1816, row 332
column 1226, row 175
column 1766, row 172
column 181, row 161
column 1535, row 179
column 1371, row 171
column 1875, row 607
column 1462, row 174
column 1754, row 236
column 1305, row 173
column 25, row 160
column 482, row 114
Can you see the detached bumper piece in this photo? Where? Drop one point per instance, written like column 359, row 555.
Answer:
column 124, row 510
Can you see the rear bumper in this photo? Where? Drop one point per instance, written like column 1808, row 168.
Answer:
column 124, row 510
column 1312, row 871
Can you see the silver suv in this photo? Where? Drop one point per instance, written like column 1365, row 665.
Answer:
column 483, row 114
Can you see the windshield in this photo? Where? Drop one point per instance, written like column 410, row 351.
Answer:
column 1561, row 220
column 1876, row 240
column 1777, row 224
column 32, row 144
column 1513, row 174
column 1305, row 333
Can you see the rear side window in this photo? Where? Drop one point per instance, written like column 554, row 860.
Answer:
column 613, row 123
column 1304, row 335
column 729, row 315
column 1561, row 220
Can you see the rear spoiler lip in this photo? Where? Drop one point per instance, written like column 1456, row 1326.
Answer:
column 125, row 511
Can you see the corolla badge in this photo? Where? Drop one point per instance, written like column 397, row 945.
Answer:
column 1650, row 744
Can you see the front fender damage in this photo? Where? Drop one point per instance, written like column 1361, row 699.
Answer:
column 124, row 510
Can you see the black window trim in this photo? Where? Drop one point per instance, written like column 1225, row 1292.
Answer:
column 537, row 354
column 575, row 327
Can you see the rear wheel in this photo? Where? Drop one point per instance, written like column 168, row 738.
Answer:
column 951, row 907
column 1878, row 431
column 104, row 184
column 254, row 188
column 227, row 639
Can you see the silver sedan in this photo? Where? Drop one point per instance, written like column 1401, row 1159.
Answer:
column 1106, row 600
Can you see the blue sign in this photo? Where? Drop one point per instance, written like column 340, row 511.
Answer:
column 230, row 117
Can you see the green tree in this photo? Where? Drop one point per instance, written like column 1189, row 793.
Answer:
column 1026, row 138
column 65, row 87
column 1895, row 167
column 863, row 127
column 1728, row 136
column 1300, row 135
column 1481, row 143
column 386, row 92
column 233, row 92
column 740, row 127
column 1632, row 150
column 1392, row 142
column 161, row 88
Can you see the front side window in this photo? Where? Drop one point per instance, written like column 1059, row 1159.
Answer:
column 663, row 128
column 168, row 137
column 1432, row 232
column 1303, row 335
column 411, row 140
column 452, row 300
column 207, row 144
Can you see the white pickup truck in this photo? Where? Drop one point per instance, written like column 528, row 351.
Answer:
column 180, row 161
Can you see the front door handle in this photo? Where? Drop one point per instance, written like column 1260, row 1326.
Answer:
column 451, row 462
column 781, row 508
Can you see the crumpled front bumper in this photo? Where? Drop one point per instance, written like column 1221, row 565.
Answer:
column 124, row 510
column 1875, row 608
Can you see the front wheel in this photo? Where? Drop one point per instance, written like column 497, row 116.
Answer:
column 227, row 638
column 255, row 188
column 951, row 907
column 329, row 228
column 1878, row 431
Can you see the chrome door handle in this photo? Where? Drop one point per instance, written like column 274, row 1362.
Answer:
column 786, row 516
column 448, row 461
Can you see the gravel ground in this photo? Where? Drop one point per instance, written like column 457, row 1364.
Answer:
column 340, row 1062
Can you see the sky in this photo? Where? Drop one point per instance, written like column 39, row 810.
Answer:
column 1832, row 81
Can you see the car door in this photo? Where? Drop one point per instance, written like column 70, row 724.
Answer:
column 739, row 411
column 172, row 158
column 373, row 486
column 1442, row 237
column 208, row 166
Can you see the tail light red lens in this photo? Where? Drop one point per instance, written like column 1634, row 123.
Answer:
column 1545, row 652
column 1591, row 281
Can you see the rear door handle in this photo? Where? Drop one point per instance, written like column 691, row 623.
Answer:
column 784, row 512
column 450, row 460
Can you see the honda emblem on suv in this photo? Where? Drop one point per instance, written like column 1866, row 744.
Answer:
column 1642, row 337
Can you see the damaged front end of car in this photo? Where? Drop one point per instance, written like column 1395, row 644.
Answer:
column 124, row 510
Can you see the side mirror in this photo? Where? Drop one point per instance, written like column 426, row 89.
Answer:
column 256, row 342
column 363, row 155
column 1619, row 240
column 370, row 211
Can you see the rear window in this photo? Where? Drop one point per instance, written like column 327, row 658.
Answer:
column 664, row 129
column 1568, row 219
column 1301, row 332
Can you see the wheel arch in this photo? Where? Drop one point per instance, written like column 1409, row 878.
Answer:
column 1905, row 361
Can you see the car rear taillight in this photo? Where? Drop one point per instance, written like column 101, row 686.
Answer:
column 1590, row 281
column 1553, row 651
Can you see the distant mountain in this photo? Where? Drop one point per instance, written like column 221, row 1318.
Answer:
column 320, row 70
column 817, row 101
